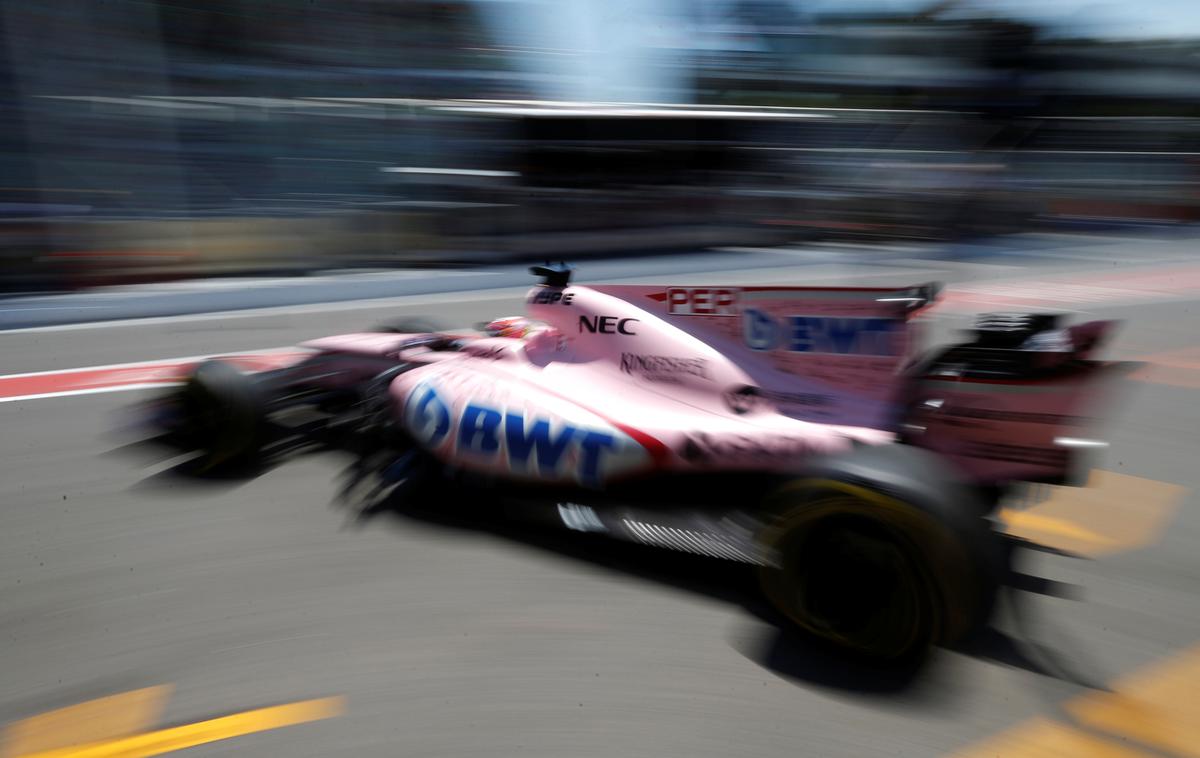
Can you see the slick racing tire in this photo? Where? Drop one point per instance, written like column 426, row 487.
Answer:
column 881, row 552
column 224, row 414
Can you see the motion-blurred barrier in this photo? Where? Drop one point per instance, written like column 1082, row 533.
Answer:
column 72, row 253
column 154, row 139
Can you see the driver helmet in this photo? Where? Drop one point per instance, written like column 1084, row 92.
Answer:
column 517, row 327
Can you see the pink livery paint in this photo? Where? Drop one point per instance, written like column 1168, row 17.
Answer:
column 674, row 395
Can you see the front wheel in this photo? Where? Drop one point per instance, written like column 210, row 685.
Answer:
column 223, row 414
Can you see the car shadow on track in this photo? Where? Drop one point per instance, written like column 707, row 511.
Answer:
column 766, row 638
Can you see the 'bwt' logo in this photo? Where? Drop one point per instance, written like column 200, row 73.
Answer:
column 822, row 334
column 482, row 431
column 522, row 445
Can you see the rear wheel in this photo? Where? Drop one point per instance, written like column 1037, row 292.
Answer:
column 878, row 572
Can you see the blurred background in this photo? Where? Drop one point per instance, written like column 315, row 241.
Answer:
column 153, row 139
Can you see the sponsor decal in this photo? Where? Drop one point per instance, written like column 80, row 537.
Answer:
column 481, row 430
column 747, row 399
column 551, row 296
column 521, row 443
column 663, row 368
column 701, row 448
column 702, row 301
column 832, row 335
column 607, row 325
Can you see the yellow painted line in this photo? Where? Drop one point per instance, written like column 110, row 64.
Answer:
column 1180, row 368
column 1152, row 713
column 1188, row 357
column 1042, row 738
column 101, row 719
column 1159, row 707
column 1175, row 376
column 1024, row 521
column 1114, row 513
column 190, row 735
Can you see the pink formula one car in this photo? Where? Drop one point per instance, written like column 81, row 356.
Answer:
column 794, row 428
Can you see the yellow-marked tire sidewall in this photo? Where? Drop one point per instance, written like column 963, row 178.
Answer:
column 938, row 558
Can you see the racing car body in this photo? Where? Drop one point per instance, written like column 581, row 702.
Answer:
column 772, row 425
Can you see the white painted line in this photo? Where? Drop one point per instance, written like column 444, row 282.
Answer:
column 92, row 391
column 156, row 362
column 343, row 305
column 262, row 282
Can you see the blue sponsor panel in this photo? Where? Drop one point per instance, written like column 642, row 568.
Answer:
column 830, row 335
column 525, row 444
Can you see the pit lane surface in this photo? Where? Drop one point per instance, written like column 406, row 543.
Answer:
column 115, row 576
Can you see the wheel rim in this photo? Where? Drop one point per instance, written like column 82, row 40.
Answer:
column 854, row 581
